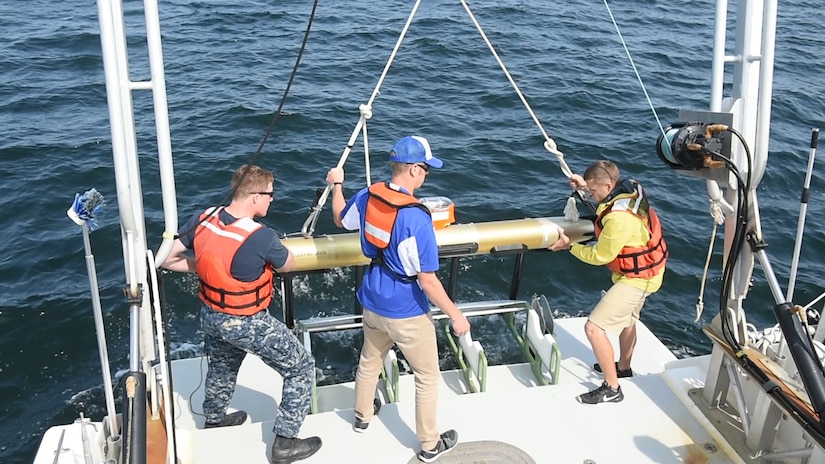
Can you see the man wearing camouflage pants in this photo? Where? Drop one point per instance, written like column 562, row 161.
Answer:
column 235, row 257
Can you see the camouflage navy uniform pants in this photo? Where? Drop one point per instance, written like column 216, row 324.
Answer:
column 228, row 338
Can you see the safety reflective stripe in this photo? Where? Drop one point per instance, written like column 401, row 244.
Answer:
column 643, row 261
column 381, row 236
column 381, row 212
column 222, row 232
column 383, row 203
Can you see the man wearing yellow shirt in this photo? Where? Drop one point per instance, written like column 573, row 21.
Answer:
column 629, row 242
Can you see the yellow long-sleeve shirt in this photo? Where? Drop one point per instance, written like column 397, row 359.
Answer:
column 620, row 229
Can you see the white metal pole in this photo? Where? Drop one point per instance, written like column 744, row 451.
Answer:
column 803, row 209
column 101, row 332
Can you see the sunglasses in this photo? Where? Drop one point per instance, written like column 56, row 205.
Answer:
column 424, row 166
column 271, row 194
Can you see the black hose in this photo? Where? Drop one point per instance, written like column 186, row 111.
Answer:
column 134, row 420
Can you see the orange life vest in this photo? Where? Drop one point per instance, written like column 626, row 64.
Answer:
column 637, row 262
column 215, row 246
column 382, row 210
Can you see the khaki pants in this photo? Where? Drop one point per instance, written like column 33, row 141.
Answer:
column 619, row 308
column 415, row 337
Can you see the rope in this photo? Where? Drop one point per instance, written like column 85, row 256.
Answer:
column 549, row 143
column 815, row 301
column 366, row 113
column 700, row 302
column 277, row 116
column 762, row 340
column 571, row 213
column 292, row 75
column 718, row 219
column 633, row 65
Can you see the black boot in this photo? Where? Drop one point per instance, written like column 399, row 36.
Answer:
column 285, row 450
column 229, row 420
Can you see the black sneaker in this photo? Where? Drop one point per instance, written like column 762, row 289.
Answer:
column 236, row 418
column 603, row 394
column 448, row 441
column 619, row 372
column 361, row 426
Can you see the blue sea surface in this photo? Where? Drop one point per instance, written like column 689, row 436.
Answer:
column 226, row 69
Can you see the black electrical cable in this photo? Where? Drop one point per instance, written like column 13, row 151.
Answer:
column 816, row 430
column 277, row 116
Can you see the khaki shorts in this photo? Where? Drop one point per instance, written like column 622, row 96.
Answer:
column 619, row 308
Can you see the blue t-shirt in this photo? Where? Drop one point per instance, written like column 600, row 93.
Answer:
column 412, row 249
column 263, row 246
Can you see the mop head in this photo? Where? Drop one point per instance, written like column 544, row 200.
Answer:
column 86, row 208
column 571, row 212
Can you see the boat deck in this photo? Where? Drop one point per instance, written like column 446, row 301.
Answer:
column 654, row 423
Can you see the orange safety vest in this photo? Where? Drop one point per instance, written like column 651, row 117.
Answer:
column 638, row 262
column 382, row 210
column 215, row 247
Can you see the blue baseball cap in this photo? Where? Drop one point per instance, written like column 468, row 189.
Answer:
column 414, row 149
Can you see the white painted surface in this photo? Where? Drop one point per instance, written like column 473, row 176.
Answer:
column 651, row 425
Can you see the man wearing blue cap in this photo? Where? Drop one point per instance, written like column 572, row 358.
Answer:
column 398, row 235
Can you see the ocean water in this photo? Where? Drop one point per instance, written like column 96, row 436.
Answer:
column 227, row 66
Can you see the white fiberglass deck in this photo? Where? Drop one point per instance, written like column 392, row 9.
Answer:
column 653, row 424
